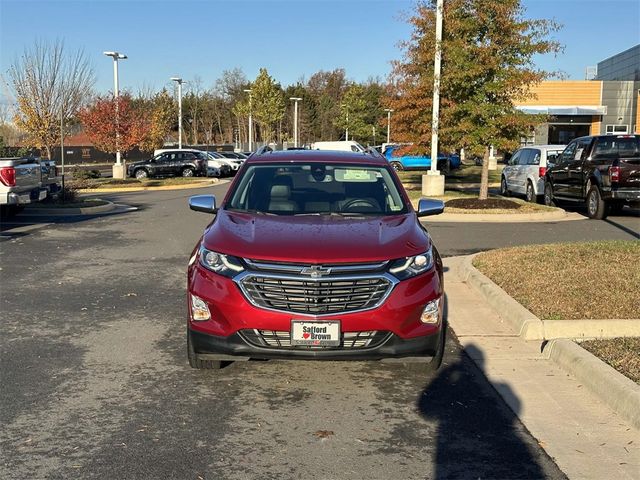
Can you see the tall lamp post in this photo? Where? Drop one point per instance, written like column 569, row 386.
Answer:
column 248, row 90
column 179, row 81
column 295, row 120
column 433, row 182
column 388, row 110
column 118, row 169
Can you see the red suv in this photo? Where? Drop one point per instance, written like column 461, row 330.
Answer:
column 315, row 255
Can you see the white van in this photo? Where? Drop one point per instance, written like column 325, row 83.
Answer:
column 342, row 146
column 525, row 170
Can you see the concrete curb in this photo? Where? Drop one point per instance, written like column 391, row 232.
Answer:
column 72, row 211
column 558, row 215
column 523, row 322
column 160, row 188
column 613, row 388
column 529, row 326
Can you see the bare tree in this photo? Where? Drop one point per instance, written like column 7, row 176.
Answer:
column 49, row 85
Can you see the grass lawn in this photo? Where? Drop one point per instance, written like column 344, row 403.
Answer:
column 564, row 281
column 623, row 354
column 464, row 174
column 132, row 182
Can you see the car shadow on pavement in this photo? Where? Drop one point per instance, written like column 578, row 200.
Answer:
column 478, row 436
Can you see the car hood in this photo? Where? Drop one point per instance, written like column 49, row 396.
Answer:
column 317, row 238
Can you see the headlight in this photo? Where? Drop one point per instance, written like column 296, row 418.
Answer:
column 219, row 263
column 408, row 267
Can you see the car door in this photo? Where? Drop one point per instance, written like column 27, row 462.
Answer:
column 520, row 170
column 509, row 171
column 560, row 173
column 575, row 176
column 157, row 164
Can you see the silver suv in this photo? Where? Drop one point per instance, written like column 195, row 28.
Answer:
column 525, row 170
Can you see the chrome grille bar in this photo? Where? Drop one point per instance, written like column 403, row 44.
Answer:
column 315, row 296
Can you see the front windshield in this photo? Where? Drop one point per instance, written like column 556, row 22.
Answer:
column 316, row 189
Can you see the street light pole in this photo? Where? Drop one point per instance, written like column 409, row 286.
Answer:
column 295, row 120
column 116, row 93
column 178, row 80
column 388, row 110
column 346, row 131
column 435, row 118
column 248, row 90
column 433, row 182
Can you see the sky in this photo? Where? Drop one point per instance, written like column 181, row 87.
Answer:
column 292, row 39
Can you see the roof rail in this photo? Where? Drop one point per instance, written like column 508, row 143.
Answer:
column 263, row 150
column 373, row 152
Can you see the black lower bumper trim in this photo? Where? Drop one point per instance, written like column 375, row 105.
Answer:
column 394, row 347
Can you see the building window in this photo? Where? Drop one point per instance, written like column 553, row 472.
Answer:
column 611, row 129
column 528, row 140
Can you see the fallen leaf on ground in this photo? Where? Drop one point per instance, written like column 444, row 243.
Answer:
column 323, row 433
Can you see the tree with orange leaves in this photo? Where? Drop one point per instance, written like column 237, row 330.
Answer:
column 487, row 52
column 108, row 134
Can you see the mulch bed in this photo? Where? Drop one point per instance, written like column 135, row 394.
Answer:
column 475, row 204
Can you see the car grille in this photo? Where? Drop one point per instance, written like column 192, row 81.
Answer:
column 316, row 297
column 282, row 339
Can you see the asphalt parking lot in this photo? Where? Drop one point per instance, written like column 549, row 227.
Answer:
column 95, row 381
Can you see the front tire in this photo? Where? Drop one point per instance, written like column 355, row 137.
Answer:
column 195, row 362
column 436, row 361
column 597, row 208
column 504, row 189
column 141, row 174
column 188, row 172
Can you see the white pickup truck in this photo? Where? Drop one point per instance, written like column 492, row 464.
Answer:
column 20, row 183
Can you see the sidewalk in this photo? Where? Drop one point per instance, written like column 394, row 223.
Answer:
column 583, row 436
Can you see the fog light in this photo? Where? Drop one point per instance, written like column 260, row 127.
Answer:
column 199, row 309
column 430, row 312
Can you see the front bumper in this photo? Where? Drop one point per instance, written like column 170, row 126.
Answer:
column 237, row 345
column 232, row 314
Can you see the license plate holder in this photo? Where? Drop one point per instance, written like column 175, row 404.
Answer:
column 315, row 333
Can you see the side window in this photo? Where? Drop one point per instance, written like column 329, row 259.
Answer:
column 515, row 158
column 604, row 149
column 354, row 148
column 535, row 157
column 523, row 159
column 581, row 149
column 567, row 155
column 161, row 158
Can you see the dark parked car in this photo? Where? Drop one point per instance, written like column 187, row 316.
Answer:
column 171, row 163
column 602, row 170
column 315, row 255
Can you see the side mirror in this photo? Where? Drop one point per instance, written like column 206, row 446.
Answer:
column 203, row 203
column 427, row 206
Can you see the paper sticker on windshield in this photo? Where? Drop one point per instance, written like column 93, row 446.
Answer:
column 354, row 175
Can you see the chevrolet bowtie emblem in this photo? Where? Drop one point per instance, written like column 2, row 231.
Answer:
column 315, row 271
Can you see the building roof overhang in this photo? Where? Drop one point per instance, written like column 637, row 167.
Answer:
column 564, row 109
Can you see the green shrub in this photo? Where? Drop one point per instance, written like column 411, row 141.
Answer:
column 82, row 174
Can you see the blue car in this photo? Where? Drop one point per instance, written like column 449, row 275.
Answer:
column 446, row 162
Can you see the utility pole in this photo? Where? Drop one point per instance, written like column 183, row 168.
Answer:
column 346, row 131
